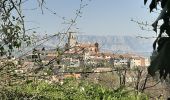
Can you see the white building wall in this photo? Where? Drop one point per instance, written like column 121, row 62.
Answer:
column 147, row 61
column 135, row 63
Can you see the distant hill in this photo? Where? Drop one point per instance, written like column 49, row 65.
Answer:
column 120, row 44
column 115, row 44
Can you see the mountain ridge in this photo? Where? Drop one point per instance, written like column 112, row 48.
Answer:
column 120, row 44
column 112, row 43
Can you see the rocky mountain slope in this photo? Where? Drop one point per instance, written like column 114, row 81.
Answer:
column 120, row 44
column 115, row 44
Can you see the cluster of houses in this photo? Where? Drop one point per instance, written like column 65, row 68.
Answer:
column 75, row 54
column 88, row 54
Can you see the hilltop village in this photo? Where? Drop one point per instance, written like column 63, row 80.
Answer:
column 76, row 58
column 75, row 54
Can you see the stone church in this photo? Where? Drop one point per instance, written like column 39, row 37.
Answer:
column 73, row 46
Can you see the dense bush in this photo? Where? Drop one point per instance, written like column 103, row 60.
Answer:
column 71, row 89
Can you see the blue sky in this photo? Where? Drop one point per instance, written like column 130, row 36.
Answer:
column 100, row 17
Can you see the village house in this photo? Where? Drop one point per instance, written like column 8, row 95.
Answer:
column 79, row 53
column 90, row 55
column 129, row 60
column 86, row 54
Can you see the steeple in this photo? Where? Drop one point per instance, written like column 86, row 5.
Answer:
column 71, row 40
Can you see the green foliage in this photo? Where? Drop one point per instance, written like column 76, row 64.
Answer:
column 161, row 61
column 12, row 29
column 72, row 89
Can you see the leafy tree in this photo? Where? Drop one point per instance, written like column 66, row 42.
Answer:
column 12, row 28
column 161, row 61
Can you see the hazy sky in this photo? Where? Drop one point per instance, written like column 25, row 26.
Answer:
column 101, row 17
